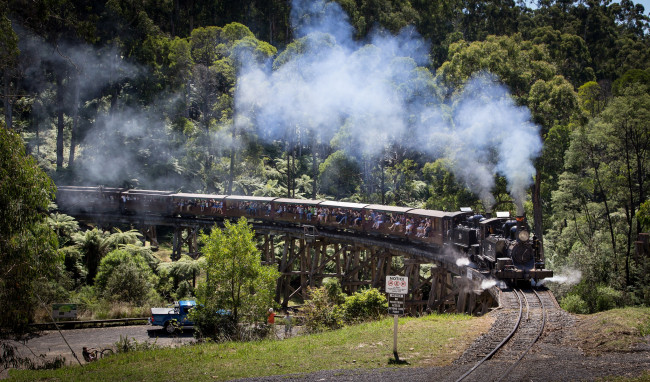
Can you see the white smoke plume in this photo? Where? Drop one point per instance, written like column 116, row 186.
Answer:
column 487, row 284
column 376, row 92
column 566, row 276
column 462, row 262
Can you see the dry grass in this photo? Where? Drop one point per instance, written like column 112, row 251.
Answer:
column 616, row 330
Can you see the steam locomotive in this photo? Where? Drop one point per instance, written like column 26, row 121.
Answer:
column 501, row 246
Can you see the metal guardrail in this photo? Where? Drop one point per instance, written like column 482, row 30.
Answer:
column 91, row 323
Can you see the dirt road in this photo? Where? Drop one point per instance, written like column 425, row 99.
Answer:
column 52, row 344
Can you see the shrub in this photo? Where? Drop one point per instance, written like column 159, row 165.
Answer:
column 184, row 290
column 363, row 306
column 129, row 284
column 123, row 276
column 607, row 298
column 574, row 304
column 212, row 323
column 320, row 312
column 334, row 291
column 125, row 345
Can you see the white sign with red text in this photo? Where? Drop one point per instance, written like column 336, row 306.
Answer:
column 397, row 284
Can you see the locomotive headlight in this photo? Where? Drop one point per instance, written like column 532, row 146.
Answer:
column 523, row 235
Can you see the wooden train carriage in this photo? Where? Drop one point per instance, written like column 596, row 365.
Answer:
column 389, row 220
column 249, row 206
column 146, row 202
column 433, row 220
column 295, row 210
column 344, row 215
column 198, row 204
column 84, row 199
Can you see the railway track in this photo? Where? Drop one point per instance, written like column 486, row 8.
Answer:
column 518, row 327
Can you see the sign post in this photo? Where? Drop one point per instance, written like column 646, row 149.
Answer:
column 397, row 288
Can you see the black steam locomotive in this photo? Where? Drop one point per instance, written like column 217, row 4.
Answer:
column 501, row 246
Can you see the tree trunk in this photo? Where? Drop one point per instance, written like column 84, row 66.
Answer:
column 383, row 182
column 314, row 168
column 232, row 163
column 75, row 123
column 7, row 100
column 289, row 173
column 60, row 121
column 537, row 211
column 608, row 214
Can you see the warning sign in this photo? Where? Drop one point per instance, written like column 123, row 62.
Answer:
column 397, row 284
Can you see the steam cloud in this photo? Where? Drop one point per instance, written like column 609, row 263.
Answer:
column 487, row 284
column 368, row 95
column 566, row 276
column 462, row 262
column 376, row 94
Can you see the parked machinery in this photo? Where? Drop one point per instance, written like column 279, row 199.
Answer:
column 501, row 246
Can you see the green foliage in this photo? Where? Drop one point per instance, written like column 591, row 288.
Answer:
column 574, row 304
column 321, row 312
column 587, row 298
column 27, row 244
column 120, row 238
column 445, row 192
column 210, row 323
column 125, row 276
column 607, row 298
column 334, row 291
column 630, row 78
column 93, row 247
column 328, row 308
column 235, row 279
column 64, row 226
column 126, row 345
column 518, row 63
column 591, row 98
column 128, row 283
column 366, row 305
column 339, row 175
column 643, row 215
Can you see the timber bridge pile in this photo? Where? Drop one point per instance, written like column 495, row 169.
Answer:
column 306, row 249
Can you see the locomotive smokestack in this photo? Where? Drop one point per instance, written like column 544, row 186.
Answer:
column 520, row 209
column 488, row 209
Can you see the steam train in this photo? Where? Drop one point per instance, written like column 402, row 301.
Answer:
column 500, row 246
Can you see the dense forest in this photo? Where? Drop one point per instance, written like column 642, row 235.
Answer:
column 490, row 104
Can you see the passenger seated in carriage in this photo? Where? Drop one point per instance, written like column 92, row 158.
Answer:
column 409, row 226
column 357, row 218
column 342, row 217
column 378, row 222
column 419, row 231
column 397, row 223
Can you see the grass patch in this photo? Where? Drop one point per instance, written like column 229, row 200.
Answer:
column 616, row 330
column 433, row 340
column 644, row 377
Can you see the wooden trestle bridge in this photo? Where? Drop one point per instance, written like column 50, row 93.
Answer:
column 306, row 255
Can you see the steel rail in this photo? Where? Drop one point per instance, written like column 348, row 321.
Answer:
column 500, row 345
column 507, row 372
